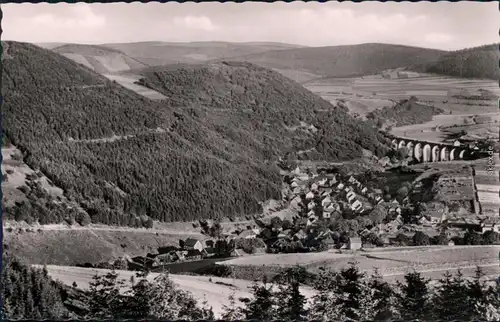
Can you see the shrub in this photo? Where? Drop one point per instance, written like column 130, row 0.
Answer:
column 83, row 219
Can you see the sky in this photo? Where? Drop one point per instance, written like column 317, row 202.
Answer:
column 441, row 25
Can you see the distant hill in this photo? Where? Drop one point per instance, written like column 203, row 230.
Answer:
column 205, row 152
column 478, row 62
column 164, row 53
column 102, row 59
column 343, row 61
column 50, row 45
column 260, row 108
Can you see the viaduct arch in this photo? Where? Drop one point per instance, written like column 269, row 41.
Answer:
column 424, row 151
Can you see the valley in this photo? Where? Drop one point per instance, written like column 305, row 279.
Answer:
column 280, row 166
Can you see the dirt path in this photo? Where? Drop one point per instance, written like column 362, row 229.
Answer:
column 122, row 229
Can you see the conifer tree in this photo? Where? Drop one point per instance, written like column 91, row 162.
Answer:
column 291, row 302
column 383, row 298
column 414, row 300
column 262, row 305
column 105, row 300
column 451, row 300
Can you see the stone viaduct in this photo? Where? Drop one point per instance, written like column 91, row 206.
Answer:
column 427, row 151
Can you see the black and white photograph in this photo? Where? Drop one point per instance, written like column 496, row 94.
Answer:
column 276, row 161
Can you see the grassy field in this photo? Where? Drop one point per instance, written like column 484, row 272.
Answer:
column 216, row 292
column 364, row 94
column 388, row 262
column 72, row 246
column 128, row 81
column 16, row 171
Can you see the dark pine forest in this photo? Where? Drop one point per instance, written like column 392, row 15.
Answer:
column 208, row 151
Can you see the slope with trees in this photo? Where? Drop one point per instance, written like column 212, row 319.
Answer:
column 406, row 112
column 345, row 295
column 477, row 62
column 208, row 151
column 344, row 61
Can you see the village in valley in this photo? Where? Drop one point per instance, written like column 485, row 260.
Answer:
column 324, row 208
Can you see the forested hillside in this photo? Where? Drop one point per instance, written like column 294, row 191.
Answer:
column 206, row 152
column 260, row 108
column 29, row 293
column 161, row 163
column 478, row 62
column 346, row 295
column 343, row 61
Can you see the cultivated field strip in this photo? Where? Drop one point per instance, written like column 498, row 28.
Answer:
column 385, row 261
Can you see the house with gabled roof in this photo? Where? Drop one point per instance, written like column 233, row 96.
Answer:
column 350, row 196
column 490, row 223
column 329, row 208
column 192, row 244
column 326, row 193
column 340, row 186
column 311, row 205
column 310, row 195
column 354, row 243
column 356, row 205
column 300, row 235
column 248, row 234
column 322, row 182
column 325, row 202
column 364, row 190
column 311, row 220
column 294, row 184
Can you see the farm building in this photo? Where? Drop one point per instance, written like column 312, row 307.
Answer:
column 354, row 243
column 390, row 75
column 209, row 252
column 300, row 235
column 193, row 244
column 407, row 74
column 194, row 254
column 247, row 234
column 490, row 224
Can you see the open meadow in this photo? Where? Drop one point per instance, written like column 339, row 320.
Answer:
column 15, row 175
column 215, row 290
column 60, row 245
column 391, row 263
column 128, row 81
